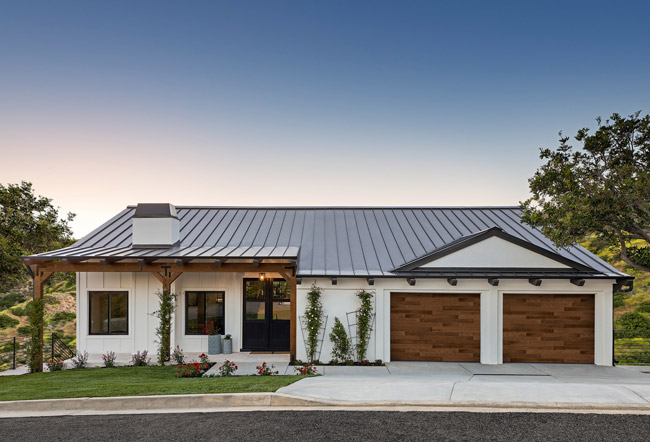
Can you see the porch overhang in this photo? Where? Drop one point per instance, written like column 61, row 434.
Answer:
column 167, row 270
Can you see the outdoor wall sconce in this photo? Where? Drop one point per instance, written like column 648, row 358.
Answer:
column 262, row 276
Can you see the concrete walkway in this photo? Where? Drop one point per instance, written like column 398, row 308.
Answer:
column 451, row 383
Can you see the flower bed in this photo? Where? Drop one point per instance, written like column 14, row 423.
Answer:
column 193, row 369
column 364, row 363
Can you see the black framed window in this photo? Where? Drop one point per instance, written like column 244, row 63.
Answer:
column 201, row 308
column 108, row 313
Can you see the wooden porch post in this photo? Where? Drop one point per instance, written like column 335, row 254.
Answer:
column 39, row 279
column 293, row 285
column 166, row 279
column 294, row 322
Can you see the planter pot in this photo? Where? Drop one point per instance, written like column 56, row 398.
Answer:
column 214, row 344
column 227, row 346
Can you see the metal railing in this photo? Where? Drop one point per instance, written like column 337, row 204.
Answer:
column 58, row 348
column 632, row 347
column 13, row 350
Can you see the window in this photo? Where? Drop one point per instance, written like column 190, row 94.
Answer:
column 201, row 308
column 109, row 313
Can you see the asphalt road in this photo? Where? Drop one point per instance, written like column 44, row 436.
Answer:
column 313, row 426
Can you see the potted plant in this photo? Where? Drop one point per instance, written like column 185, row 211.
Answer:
column 227, row 344
column 214, row 340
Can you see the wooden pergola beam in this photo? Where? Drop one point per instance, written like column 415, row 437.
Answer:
column 172, row 267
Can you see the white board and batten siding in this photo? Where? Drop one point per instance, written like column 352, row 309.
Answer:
column 142, row 301
column 337, row 301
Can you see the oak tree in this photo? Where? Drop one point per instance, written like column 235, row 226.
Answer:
column 600, row 188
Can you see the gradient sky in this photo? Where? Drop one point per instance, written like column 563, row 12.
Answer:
column 105, row 104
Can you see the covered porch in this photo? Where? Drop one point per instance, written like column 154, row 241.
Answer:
column 194, row 281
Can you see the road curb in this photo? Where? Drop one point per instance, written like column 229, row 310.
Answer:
column 270, row 401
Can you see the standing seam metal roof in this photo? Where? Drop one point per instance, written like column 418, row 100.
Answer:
column 336, row 241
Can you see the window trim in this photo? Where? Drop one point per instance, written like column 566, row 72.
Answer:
column 205, row 307
column 90, row 312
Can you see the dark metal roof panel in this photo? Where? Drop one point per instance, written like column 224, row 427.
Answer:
column 327, row 241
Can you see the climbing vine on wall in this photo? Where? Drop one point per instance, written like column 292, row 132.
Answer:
column 166, row 307
column 313, row 320
column 364, row 323
column 35, row 345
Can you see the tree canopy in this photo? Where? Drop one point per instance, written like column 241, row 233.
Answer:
column 29, row 224
column 601, row 188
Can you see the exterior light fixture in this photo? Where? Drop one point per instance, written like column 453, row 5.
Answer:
column 262, row 276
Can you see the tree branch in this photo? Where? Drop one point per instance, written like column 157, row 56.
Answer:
column 624, row 255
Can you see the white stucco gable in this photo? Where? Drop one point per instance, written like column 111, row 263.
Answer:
column 494, row 252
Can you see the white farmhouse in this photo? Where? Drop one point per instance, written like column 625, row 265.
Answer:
column 450, row 284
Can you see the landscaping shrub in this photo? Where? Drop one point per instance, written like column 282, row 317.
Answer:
column 140, row 359
column 644, row 307
column 19, row 311
column 8, row 321
column 266, row 370
column 81, row 360
column 55, row 364
column 10, row 300
column 109, row 359
column 24, row 330
column 305, row 369
column 192, row 370
column 228, row 369
column 619, row 300
column 63, row 317
column 341, row 344
column 633, row 321
column 178, row 356
column 50, row 300
column 204, row 359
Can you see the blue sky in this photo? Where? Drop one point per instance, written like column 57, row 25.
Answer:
column 104, row 104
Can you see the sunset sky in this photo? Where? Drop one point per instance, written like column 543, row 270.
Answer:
column 106, row 104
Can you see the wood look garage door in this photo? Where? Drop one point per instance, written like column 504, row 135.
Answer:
column 435, row 327
column 548, row 328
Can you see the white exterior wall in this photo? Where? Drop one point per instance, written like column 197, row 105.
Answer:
column 142, row 302
column 337, row 301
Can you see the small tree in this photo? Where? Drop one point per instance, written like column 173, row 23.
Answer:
column 313, row 320
column 166, row 307
column 341, row 344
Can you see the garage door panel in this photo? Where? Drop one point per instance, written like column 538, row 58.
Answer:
column 435, row 327
column 548, row 328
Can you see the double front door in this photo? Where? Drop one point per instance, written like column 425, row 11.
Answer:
column 267, row 314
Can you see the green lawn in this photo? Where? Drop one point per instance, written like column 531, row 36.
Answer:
column 129, row 381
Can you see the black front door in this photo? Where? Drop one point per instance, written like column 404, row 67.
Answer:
column 267, row 314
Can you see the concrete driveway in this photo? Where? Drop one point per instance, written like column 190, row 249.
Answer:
column 430, row 382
